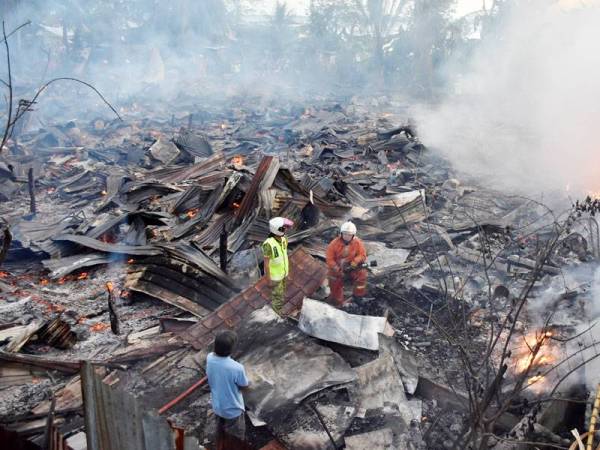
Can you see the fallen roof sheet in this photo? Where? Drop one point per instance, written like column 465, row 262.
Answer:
column 326, row 322
column 385, row 259
column 306, row 275
column 184, row 277
column 284, row 366
column 182, row 173
column 60, row 267
column 380, row 384
column 335, row 408
column 405, row 361
column 84, row 241
column 263, row 178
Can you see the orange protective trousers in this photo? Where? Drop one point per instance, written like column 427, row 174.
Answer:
column 339, row 256
column 359, row 285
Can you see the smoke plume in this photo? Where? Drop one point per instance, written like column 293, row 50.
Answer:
column 525, row 115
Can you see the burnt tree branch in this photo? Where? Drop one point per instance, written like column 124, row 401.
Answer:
column 9, row 100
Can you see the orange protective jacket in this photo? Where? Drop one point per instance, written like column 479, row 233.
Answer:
column 354, row 253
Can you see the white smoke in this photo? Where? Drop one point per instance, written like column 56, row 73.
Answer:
column 527, row 113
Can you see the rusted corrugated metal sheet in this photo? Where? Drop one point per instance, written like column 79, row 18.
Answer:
column 58, row 334
column 185, row 277
column 263, row 178
column 115, row 419
column 306, row 275
column 181, row 173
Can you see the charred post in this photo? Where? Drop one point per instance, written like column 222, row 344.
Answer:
column 31, row 185
column 112, row 309
column 6, row 239
column 223, row 250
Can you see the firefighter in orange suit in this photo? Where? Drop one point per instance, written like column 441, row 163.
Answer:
column 346, row 259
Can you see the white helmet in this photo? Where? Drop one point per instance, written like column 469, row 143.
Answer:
column 348, row 227
column 277, row 225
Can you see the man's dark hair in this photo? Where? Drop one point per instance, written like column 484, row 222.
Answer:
column 224, row 342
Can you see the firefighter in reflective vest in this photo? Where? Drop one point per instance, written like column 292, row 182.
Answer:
column 346, row 259
column 276, row 260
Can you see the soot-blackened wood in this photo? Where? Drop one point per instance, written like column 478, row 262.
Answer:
column 31, row 182
column 223, row 250
column 112, row 312
column 6, row 237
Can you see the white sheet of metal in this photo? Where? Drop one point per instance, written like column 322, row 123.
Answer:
column 326, row 322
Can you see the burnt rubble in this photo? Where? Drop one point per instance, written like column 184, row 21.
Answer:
column 171, row 217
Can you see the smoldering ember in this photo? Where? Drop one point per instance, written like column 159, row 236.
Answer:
column 323, row 224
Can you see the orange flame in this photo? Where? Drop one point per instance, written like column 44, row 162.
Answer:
column 44, row 282
column 546, row 354
column 125, row 294
column 192, row 213
column 62, row 280
column 4, row 274
column 534, row 379
column 130, row 261
column 82, row 276
column 109, row 286
column 235, row 205
column 100, row 326
column 237, row 161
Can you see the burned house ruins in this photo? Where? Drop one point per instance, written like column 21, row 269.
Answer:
column 131, row 228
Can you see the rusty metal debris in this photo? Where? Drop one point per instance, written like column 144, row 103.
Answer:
column 58, row 334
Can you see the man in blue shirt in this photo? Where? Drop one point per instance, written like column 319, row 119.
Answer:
column 227, row 378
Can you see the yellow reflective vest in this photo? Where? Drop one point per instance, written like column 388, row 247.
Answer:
column 276, row 251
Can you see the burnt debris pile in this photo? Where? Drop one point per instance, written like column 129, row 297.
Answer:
column 129, row 243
